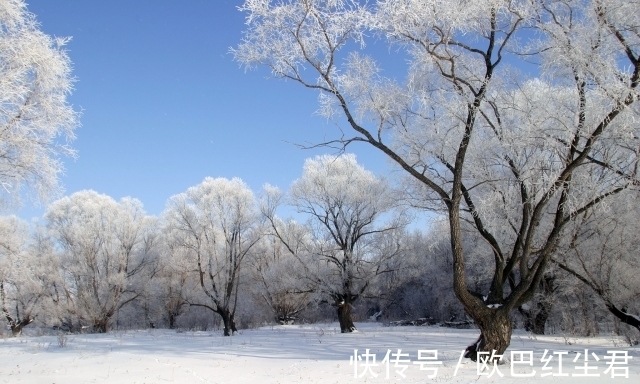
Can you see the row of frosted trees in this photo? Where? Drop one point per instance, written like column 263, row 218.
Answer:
column 218, row 248
column 93, row 255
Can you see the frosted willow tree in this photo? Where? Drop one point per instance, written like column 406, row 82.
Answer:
column 600, row 251
column 346, row 206
column 21, row 275
column 516, row 154
column 35, row 79
column 106, row 251
column 215, row 225
column 275, row 271
column 174, row 281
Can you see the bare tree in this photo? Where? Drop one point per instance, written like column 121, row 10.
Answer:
column 517, row 155
column 34, row 113
column 346, row 206
column 106, row 254
column 216, row 224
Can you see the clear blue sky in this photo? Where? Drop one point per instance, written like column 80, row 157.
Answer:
column 164, row 105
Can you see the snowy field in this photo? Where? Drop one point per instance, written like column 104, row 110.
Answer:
column 305, row 354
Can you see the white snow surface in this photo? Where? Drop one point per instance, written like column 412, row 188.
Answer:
column 316, row 353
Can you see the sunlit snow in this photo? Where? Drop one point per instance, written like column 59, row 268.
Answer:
column 316, row 353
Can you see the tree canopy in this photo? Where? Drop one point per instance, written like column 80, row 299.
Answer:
column 514, row 116
column 36, row 121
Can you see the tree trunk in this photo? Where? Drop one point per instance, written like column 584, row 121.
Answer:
column 535, row 321
column 101, row 325
column 16, row 324
column 16, row 327
column 172, row 320
column 228, row 321
column 495, row 334
column 540, row 320
column 233, row 324
column 344, row 317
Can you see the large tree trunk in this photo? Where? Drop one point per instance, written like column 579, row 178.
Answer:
column 228, row 322
column 344, row 317
column 495, row 334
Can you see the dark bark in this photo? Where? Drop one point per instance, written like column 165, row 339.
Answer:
column 285, row 313
column 16, row 327
column 623, row 316
column 15, row 323
column 344, row 317
column 172, row 320
column 174, row 309
column 540, row 320
column 495, row 334
column 228, row 318
column 228, row 322
column 101, row 325
column 536, row 318
column 284, row 316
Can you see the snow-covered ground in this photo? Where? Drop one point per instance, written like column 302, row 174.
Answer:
column 305, row 354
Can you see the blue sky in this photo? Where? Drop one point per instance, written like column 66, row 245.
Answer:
column 164, row 105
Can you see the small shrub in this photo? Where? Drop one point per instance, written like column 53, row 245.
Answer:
column 62, row 339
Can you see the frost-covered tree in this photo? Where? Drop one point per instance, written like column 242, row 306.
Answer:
column 175, row 281
column 21, row 285
column 106, row 254
column 537, row 311
column 346, row 206
column 600, row 251
column 215, row 225
column 276, row 279
column 35, row 79
column 517, row 153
